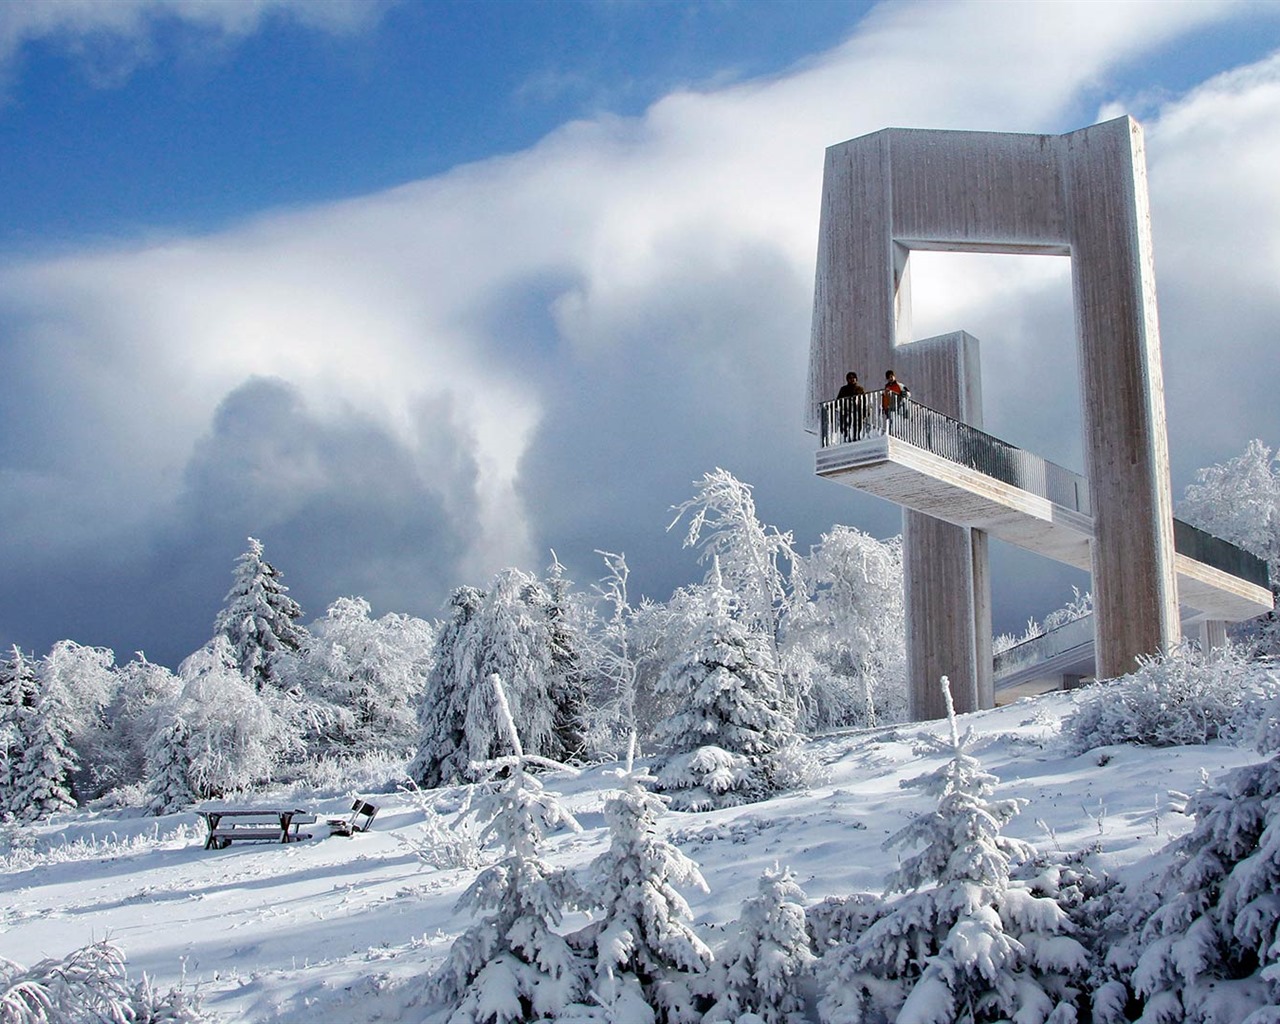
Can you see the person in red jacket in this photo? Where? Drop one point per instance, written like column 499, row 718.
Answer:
column 893, row 400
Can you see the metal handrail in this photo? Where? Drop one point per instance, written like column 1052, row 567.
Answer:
column 875, row 413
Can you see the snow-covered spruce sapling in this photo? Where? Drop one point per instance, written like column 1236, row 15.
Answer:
column 729, row 741
column 1211, row 952
column 760, row 969
column 964, row 941
column 168, row 787
column 642, row 933
column 512, row 966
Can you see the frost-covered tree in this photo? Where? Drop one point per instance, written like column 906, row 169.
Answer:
column 724, row 526
column 442, row 715
column 641, row 940
column 259, row 618
column 1239, row 501
column 728, row 741
column 567, row 629
column 845, row 644
column 505, row 631
column 144, row 693
column 42, row 784
column 615, row 659
column 512, row 965
column 239, row 734
column 37, row 761
column 84, row 681
column 19, row 694
column 761, row 968
column 965, row 941
column 168, row 785
column 372, row 669
column 1211, row 951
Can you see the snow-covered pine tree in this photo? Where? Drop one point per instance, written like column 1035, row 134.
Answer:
column 512, row 966
column 568, row 673
column 641, row 936
column 760, row 969
column 258, row 617
column 507, row 632
column 1211, row 952
column 168, row 788
column 724, row 526
column 19, row 694
column 965, row 941
column 42, row 784
column 729, row 743
column 442, row 716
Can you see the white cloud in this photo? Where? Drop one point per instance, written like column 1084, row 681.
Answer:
column 593, row 322
column 114, row 37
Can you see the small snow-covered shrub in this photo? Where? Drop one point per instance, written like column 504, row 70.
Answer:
column 1180, row 698
column 441, row 844
column 89, row 984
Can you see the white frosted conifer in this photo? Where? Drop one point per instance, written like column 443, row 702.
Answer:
column 964, row 941
column 761, row 968
column 19, row 694
column 729, row 741
column 641, row 936
column 259, row 618
column 1212, row 949
column 506, row 631
column 42, row 784
column 168, row 787
column 442, row 717
column 512, row 966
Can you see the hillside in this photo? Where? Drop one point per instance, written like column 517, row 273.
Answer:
column 341, row 929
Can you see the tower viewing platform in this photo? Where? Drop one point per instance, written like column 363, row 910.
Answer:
column 924, row 460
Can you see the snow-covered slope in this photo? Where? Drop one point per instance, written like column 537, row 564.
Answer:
column 339, row 929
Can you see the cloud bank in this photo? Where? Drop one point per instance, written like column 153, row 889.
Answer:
column 409, row 390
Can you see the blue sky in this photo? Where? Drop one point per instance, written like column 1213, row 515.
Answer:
column 416, row 291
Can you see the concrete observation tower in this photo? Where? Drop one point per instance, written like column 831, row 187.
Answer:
column 1082, row 195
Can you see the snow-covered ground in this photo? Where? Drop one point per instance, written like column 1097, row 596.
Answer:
column 338, row 929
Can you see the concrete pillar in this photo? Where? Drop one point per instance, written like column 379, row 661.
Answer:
column 1135, row 597
column 947, row 578
column 1213, row 634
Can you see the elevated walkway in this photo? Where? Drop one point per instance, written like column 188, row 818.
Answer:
column 921, row 459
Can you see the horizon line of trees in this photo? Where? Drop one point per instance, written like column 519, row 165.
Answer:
column 723, row 678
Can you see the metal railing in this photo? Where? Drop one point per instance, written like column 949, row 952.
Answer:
column 1214, row 551
column 845, row 420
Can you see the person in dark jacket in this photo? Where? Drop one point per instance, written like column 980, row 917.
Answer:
column 851, row 416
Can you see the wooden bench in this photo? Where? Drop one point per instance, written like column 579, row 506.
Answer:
column 227, row 825
column 361, row 819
